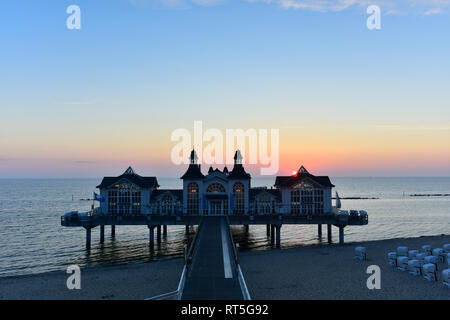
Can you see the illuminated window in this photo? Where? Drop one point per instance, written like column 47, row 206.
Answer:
column 124, row 199
column 239, row 198
column 193, row 198
column 306, row 199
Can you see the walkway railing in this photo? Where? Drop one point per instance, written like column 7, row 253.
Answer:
column 187, row 262
column 241, row 278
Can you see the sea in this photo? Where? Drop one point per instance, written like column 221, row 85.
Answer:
column 33, row 241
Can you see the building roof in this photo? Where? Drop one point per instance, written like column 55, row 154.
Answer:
column 178, row 193
column 300, row 175
column 238, row 172
column 193, row 172
column 256, row 191
column 130, row 175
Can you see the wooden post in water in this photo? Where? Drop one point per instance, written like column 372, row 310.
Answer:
column 278, row 231
column 268, row 229
column 88, row 237
column 246, row 228
column 151, row 230
column 187, row 229
column 272, row 234
column 341, row 235
column 158, row 233
column 330, row 235
column 319, row 230
column 165, row 230
column 113, row 231
column 102, row 233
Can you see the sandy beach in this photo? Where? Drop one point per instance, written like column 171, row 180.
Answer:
column 312, row 272
column 330, row 272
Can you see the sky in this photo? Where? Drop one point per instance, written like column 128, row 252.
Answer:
column 348, row 101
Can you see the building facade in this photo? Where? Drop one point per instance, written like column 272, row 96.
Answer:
column 219, row 192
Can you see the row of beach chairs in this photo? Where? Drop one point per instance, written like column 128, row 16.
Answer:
column 425, row 262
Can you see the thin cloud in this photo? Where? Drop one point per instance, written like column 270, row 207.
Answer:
column 390, row 7
column 433, row 11
column 84, row 162
column 427, row 7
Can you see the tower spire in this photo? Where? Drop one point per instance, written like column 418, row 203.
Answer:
column 193, row 157
column 238, row 157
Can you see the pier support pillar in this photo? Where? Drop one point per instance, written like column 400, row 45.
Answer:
column 88, row 238
column 329, row 233
column 165, row 230
column 113, row 231
column 187, row 229
column 158, row 233
column 319, row 230
column 246, row 228
column 102, row 233
column 341, row 235
column 151, row 230
column 272, row 234
column 268, row 229
column 278, row 231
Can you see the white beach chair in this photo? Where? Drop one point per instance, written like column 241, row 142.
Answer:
column 392, row 258
column 446, row 247
column 402, row 263
column 446, row 277
column 402, row 251
column 427, row 249
column 439, row 252
column 421, row 257
column 412, row 254
column 414, row 267
column 429, row 272
column 431, row 259
column 360, row 253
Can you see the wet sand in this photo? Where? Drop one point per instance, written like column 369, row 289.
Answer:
column 312, row 272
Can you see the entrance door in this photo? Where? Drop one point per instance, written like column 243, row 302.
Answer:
column 215, row 208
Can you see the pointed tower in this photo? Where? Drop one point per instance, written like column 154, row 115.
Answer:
column 129, row 171
column 192, row 186
column 193, row 171
column 238, row 157
column 302, row 170
column 238, row 171
column 193, row 157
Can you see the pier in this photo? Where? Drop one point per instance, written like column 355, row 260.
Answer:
column 214, row 202
column 159, row 223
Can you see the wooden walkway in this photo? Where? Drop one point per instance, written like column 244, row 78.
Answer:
column 212, row 273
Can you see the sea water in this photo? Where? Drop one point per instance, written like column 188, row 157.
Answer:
column 32, row 239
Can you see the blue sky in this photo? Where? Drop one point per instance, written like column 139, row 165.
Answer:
column 139, row 69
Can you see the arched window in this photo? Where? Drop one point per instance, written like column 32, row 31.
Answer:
column 124, row 198
column 215, row 187
column 193, row 198
column 239, row 198
column 306, row 199
column 166, row 204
